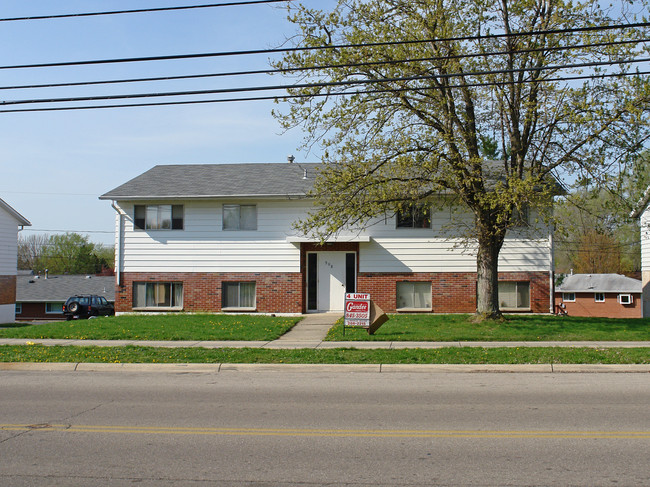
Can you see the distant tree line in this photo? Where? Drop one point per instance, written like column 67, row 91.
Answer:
column 68, row 253
column 595, row 233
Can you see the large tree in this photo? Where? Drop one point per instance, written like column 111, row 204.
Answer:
column 405, row 114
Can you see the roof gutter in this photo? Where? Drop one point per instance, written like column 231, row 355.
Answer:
column 199, row 197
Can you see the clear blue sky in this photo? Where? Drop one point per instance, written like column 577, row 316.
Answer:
column 53, row 166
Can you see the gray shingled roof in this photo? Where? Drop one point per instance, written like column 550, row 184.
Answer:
column 599, row 283
column 217, row 180
column 29, row 288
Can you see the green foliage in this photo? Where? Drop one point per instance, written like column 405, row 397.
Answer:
column 69, row 253
column 454, row 328
column 176, row 326
column 465, row 355
column 404, row 123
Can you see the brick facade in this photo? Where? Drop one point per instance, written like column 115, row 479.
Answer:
column 37, row 311
column 7, row 289
column 284, row 292
column 276, row 292
column 586, row 305
column 451, row 292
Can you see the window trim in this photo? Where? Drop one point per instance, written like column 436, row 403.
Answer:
column 141, row 224
column 237, row 308
column 628, row 297
column 238, row 207
column 596, row 296
column 565, row 297
column 172, row 284
column 19, row 308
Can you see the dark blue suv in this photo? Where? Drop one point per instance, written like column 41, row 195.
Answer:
column 87, row 306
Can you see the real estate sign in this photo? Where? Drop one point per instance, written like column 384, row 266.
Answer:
column 357, row 310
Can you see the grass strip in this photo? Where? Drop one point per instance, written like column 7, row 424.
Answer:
column 442, row 328
column 464, row 355
column 177, row 326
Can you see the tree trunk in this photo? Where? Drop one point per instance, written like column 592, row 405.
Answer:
column 487, row 274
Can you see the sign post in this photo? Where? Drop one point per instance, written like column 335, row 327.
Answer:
column 357, row 311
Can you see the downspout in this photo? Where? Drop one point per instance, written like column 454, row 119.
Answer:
column 118, row 246
column 551, row 274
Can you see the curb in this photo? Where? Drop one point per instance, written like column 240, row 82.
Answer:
column 320, row 368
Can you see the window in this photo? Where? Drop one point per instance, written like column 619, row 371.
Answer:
column 158, row 217
column 414, row 216
column 413, row 295
column 520, row 216
column 238, row 295
column 514, row 295
column 239, row 217
column 19, row 308
column 158, row 295
column 569, row 297
column 625, row 298
column 54, row 308
column 599, row 297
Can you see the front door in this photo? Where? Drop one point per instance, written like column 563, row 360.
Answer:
column 329, row 276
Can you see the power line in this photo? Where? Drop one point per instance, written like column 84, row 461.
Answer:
column 311, row 85
column 288, row 97
column 142, row 10
column 314, row 68
column 339, row 46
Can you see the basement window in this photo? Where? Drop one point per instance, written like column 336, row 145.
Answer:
column 238, row 295
column 158, row 295
column 514, row 295
column 413, row 296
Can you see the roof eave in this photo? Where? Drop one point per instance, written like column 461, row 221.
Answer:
column 110, row 197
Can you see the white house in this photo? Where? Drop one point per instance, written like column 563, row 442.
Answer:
column 10, row 223
column 220, row 238
column 642, row 212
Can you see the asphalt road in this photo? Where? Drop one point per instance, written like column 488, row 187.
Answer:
column 270, row 428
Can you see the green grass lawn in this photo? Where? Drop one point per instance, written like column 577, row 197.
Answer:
column 160, row 327
column 445, row 328
column 465, row 355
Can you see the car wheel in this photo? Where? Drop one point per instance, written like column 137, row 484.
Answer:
column 73, row 307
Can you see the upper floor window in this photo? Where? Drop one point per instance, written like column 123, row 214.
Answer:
column 158, row 217
column 239, row 217
column 414, row 216
column 520, row 216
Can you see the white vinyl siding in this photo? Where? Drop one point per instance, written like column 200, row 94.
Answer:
column 204, row 246
column 8, row 244
column 645, row 240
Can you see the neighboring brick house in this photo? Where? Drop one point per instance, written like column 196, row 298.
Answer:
column 599, row 295
column 42, row 297
column 642, row 212
column 11, row 222
column 220, row 238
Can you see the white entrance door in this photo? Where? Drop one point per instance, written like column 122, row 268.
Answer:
column 331, row 281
